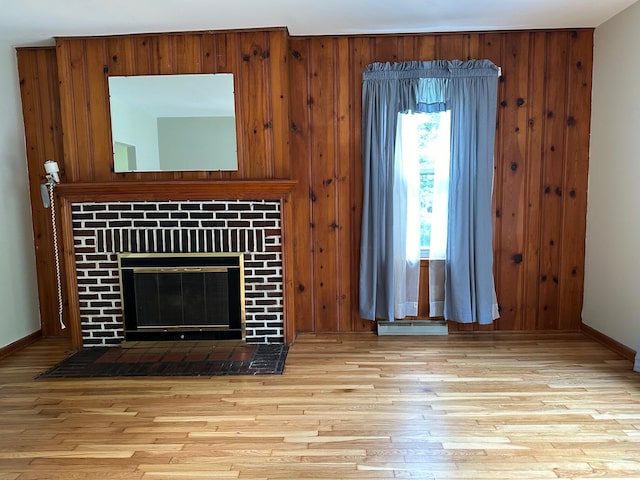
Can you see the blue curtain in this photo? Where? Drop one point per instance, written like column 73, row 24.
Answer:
column 470, row 91
column 469, row 294
column 387, row 90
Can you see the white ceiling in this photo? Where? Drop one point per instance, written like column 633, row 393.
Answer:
column 36, row 22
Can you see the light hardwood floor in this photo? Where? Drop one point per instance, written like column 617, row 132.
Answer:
column 466, row 406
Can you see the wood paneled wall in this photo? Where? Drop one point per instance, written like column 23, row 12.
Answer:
column 43, row 133
column 299, row 116
column 257, row 58
column 540, row 174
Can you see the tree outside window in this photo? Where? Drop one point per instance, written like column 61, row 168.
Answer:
column 431, row 138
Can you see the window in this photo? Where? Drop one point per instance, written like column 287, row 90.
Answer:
column 429, row 138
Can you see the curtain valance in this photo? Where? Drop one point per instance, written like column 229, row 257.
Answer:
column 430, row 69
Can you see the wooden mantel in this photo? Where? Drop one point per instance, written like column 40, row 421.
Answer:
column 268, row 189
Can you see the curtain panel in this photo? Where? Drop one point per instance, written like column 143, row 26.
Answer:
column 469, row 90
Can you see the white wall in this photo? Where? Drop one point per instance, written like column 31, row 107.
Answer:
column 19, row 309
column 612, row 276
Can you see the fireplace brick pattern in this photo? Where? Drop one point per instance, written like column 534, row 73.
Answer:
column 102, row 230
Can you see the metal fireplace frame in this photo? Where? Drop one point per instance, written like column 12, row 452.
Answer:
column 232, row 263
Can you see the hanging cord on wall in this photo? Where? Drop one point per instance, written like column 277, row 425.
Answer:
column 56, row 254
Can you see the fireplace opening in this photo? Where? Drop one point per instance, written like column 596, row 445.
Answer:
column 182, row 296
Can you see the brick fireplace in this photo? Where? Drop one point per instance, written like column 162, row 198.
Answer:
column 102, row 230
column 100, row 221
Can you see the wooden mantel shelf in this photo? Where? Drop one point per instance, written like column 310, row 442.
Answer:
column 268, row 189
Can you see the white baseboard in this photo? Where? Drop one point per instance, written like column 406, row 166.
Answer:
column 413, row 327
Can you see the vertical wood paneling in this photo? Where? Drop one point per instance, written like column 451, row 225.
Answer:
column 552, row 180
column 166, row 54
column 360, row 51
column 535, row 142
column 426, row 47
column 496, row 45
column 279, row 104
column 99, row 117
column 188, row 53
column 451, row 47
column 228, row 60
column 143, row 62
column 532, row 153
column 253, row 85
column 386, row 48
column 300, row 155
column 210, row 55
column 322, row 102
column 474, row 47
column 342, row 225
column 288, row 266
column 575, row 181
column 69, row 262
column 491, row 48
column 70, row 61
column 299, row 116
column 511, row 175
column 121, row 57
column 407, row 50
column 41, row 113
column 329, row 145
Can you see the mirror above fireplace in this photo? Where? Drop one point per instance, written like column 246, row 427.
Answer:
column 173, row 122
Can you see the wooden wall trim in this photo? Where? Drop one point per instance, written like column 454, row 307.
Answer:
column 278, row 29
column 609, row 342
column 267, row 189
column 69, row 262
column 20, row 344
column 288, row 274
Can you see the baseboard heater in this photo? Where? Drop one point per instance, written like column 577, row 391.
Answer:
column 413, row 327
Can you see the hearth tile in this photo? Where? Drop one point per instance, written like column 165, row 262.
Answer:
column 110, row 355
column 151, row 357
column 129, row 357
column 196, row 357
column 220, row 357
column 93, row 362
column 173, row 357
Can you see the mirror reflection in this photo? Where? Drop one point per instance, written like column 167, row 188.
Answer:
column 173, row 122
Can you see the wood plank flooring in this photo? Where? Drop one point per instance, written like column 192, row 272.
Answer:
column 355, row 406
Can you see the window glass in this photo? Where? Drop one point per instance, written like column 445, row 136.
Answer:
column 429, row 134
